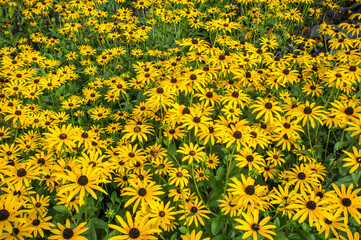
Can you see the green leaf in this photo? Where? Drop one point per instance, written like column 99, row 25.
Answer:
column 61, row 209
column 98, row 223
column 294, row 236
column 337, row 146
column 219, row 237
column 345, row 180
column 280, row 236
column 92, row 234
column 277, row 222
column 183, row 230
column 220, row 173
column 306, row 235
column 172, row 150
column 217, row 224
column 174, row 236
column 111, row 234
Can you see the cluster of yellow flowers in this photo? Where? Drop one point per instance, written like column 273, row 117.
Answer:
column 178, row 119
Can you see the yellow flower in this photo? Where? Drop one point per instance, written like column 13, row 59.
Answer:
column 253, row 226
column 139, row 228
column 67, row 232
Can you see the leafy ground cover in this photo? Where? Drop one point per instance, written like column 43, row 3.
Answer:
column 180, row 119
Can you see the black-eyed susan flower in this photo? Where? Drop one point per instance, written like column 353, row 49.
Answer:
column 82, row 180
column 249, row 158
column 194, row 235
column 179, row 177
column 212, row 161
column 192, row 152
column 267, row 109
column 311, row 207
column 67, row 232
column 139, row 132
column 303, row 177
column 253, row 226
column 193, row 212
column 142, row 193
column 39, row 223
column 228, row 206
column 353, row 160
column 309, row 113
column 9, row 213
column 59, row 137
column 162, row 214
column 245, row 192
column 137, row 228
column 346, row 201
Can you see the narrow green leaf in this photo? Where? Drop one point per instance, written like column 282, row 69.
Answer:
column 61, row 209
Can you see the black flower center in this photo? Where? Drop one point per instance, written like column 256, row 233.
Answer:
column 16, row 231
column 160, row 90
column 352, row 69
column 235, row 94
column 349, row 111
column 209, row 94
column 287, row 125
column 249, row 158
column 307, row 110
column 62, row 136
column 186, row 111
column 268, row 105
column 36, row 222
column 197, row 119
column 192, row 153
column 346, row 202
column 250, row 190
column 41, row 161
column 83, row 180
column 193, row 77
column 134, row 233
column 319, row 194
column 142, row 192
column 194, row 209
column 137, row 129
column 311, row 205
column 255, row 227
column 237, row 134
column 21, row 172
column 327, row 221
column 68, row 233
column 301, row 176
column 161, row 214
column 4, row 214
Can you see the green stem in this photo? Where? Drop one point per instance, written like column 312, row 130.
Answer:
column 309, row 135
column 195, row 183
column 229, row 168
column 356, row 182
column 328, row 139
